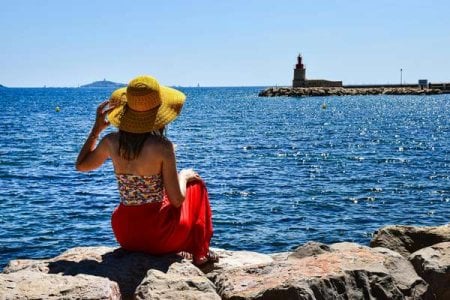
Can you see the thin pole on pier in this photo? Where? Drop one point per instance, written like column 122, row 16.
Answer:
column 401, row 76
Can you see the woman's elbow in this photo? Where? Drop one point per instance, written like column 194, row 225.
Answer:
column 86, row 166
column 80, row 168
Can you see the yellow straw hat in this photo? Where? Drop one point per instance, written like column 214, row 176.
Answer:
column 118, row 97
column 144, row 105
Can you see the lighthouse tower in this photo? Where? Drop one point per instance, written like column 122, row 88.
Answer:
column 299, row 73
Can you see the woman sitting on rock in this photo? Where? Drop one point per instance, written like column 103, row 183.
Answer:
column 160, row 211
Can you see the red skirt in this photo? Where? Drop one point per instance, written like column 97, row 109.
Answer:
column 160, row 228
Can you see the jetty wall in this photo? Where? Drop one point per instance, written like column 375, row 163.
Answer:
column 369, row 86
column 341, row 91
column 444, row 86
column 321, row 83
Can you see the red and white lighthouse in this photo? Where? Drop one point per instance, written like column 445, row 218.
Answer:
column 299, row 73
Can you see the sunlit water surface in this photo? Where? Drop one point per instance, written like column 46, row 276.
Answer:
column 280, row 171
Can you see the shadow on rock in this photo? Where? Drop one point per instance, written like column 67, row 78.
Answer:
column 126, row 268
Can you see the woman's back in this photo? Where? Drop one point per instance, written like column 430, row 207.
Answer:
column 155, row 159
column 148, row 162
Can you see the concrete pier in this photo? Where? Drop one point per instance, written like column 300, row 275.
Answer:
column 345, row 91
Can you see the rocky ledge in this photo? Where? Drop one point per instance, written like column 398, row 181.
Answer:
column 403, row 262
column 342, row 91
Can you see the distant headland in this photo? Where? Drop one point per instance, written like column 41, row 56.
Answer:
column 301, row 87
column 2, row 86
column 103, row 84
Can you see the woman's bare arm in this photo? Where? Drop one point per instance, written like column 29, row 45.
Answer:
column 174, row 183
column 91, row 156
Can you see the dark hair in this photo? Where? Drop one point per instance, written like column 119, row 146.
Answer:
column 130, row 144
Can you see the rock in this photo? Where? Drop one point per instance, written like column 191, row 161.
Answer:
column 128, row 269
column 234, row 259
column 348, row 271
column 280, row 256
column 75, row 255
column 408, row 239
column 312, row 271
column 181, row 281
column 27, row 284
column 309, row 249
column 134, row 274
column 433, row 264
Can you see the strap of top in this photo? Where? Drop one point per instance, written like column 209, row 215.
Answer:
column 137, row 190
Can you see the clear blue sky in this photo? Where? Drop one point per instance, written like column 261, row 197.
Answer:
column 222, row 43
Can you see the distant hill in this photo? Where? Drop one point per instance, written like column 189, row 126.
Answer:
column 103, row 84
column 2, row 86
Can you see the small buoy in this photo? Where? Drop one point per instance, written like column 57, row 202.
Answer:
column 57, row 109
column 324, row 106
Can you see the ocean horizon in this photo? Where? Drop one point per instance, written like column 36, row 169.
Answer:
column 103, row 88
column 280, row 171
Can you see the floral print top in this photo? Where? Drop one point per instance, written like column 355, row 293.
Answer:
column 137, row 190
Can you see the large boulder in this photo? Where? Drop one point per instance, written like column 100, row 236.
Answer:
column 74, row 255
column 181, row 281
column 185, row 281
column 433, row 264
column 345, row 271
column 408, row 239
column 28, row 284
column 127, row 269
column 110, row 273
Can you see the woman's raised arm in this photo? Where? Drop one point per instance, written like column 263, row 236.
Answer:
column 91, row 156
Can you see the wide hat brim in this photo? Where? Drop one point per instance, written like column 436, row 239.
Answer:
column 126, row 119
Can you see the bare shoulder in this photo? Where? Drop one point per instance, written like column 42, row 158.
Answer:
column 158, row 145
column 111, row 141
column 112, row 137
column 162, row 145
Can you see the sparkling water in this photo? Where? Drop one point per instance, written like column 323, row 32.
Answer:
column 280, row 171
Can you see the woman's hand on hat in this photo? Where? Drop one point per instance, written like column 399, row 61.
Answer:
column 100, row 119
column 190, row 175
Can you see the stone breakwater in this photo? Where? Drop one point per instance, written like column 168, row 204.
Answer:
column 402, row 262
column 341, row 91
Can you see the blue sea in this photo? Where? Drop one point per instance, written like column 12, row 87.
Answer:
column 280, row 171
